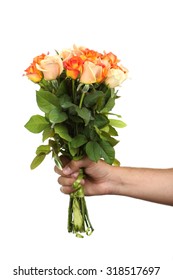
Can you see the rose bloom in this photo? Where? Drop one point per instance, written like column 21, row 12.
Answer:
column 66, row 54
column 111, row 58
column 33, row 73
column 115, row 77
column 78, row 50
column 73, row 67
column 38, row 58
column 90, row 55
column 92, row 73
column 51, row 66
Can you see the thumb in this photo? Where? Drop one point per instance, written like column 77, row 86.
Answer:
column 75, row 165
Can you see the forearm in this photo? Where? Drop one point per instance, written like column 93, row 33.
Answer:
column 149, row 184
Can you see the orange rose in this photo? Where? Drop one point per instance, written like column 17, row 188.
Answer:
column 51, row 66
column 73, row 67
column 92, row 73
column 111, row 58
column 38, row 58
column 90, row 55
column 33, row 73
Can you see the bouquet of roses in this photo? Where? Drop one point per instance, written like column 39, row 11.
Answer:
column 76, row 94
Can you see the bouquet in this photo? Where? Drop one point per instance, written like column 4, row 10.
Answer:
column 77, row 89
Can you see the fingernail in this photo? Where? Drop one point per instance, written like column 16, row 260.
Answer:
column 67, row 170
column 62, row 189
column 75, row 175
column 82, row 182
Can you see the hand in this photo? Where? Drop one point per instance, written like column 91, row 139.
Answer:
column 101, row 178
column 97, row 180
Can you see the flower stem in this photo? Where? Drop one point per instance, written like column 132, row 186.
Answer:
column 73, row 90
column 81, row 99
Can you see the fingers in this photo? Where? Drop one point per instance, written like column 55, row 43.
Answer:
column 66, row 189
column 70, row 167
column 75, row 165
column 67, row 184
column 66, row 181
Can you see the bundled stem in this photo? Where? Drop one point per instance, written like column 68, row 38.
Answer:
column 78, row 218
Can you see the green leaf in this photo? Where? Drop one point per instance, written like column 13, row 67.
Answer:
column 78, row 141
column 65, row 101
column 106, row 136
column 48, row 133
column 62, row 131
column 113, row 92
column 102, row 149
column 105, row 128
column 92, row 97
column 108, row 106
column 62, row 89
column 117, row 123
column 116, row 162
column 57, row 116
column 43, row 149
column 75, row 119
column 107, row 151
column 84, row 113
column 100, row 120
column 90, row 133
column 36, row 124
column 100, row 103
column 46, row 100
column 112, row 131
column 37, row 161
column 119, row 116
column 93, row 150
column 73, row 151
column 113, row 114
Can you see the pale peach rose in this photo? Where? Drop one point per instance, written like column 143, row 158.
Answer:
column 78, row 50
column 66, row 54
column 115, row 77
column 91, row 73
column 51, row 66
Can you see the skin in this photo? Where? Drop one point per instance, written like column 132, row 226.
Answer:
column 155, row 185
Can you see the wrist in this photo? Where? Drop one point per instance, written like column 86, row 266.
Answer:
column 118, row 180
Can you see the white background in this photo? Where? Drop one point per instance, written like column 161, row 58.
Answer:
column 128, row 232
